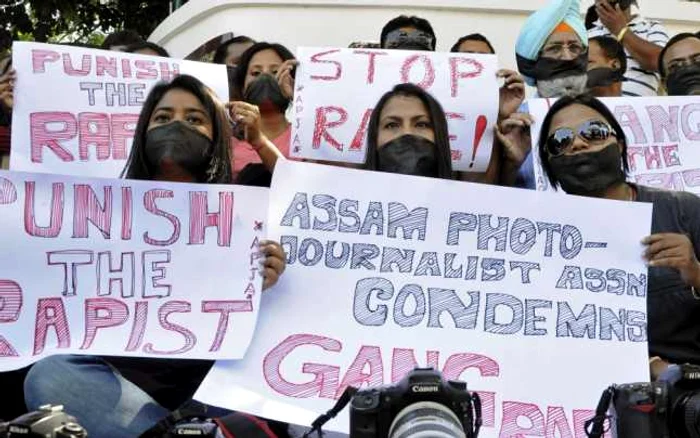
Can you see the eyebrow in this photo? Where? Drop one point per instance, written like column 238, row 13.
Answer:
column 416, row 117
column 188, row 109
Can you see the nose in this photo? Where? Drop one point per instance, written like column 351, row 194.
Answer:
column 579, row 144
column 567, row 54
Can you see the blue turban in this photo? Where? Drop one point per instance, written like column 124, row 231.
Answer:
column 540, row 25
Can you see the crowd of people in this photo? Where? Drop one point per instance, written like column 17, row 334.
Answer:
column 186, row 134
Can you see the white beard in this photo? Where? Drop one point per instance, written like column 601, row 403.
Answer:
column 566, row 86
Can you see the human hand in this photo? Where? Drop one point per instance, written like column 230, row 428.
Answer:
column 274, row 263
column 512, row 93
column 248, row 116
column 514, row 134
column 612, row 17
column 285, row 79
column 673, row 250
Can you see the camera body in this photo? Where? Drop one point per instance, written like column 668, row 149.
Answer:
column 194, row 427
column 660, row 409
column 47, row 421
column 422, row 395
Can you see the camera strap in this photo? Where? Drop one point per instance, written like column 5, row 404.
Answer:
column 332, row 412
column 595, row 427
column 476, row 421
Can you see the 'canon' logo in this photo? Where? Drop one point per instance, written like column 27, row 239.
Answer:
column 419, row 388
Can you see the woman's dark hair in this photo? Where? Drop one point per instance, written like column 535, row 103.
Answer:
column 437, row 117
column 591, row 102
column 247, row 56
column 673, row 41
column 472, row 37
column 222, row 50
column 612, row 50
column 121, row 38
column 131, row 48
column 406, row 21
column 220, row 168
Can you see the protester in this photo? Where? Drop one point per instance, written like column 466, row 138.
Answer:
column 473, row 43
column 182, row 135
column 119, row 40
column 408, row 33
column 679, row 65
column 642, row 39
column 407, row 134
column 147, row 48
column 607, row 64
column 230, row 52
column 584, row 151
column 551, row 53
column 7, row 78
column 266, row 78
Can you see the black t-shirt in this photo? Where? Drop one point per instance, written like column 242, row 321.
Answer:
column 672, row 311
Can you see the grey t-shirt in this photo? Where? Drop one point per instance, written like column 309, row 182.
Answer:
column 672, row 311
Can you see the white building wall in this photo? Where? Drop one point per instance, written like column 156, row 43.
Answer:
column 337, row 23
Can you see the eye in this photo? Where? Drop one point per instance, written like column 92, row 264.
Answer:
column 161, row 117
column 424, row 124
column 255, row 73
column 194, row 119
column 392, row 125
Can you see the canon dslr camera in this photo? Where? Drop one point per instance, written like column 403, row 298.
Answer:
column 421, row 404
column 47, row 422
column 666, row 408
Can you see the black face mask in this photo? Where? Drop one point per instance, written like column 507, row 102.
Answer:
column 603, row 77
column 589, row 172
column 414, row 40
column 408, row 155
column 550, row 68
column 266, row 93
column 684, row 81
column 177, row 143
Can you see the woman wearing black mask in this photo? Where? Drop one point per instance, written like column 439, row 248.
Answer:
column 265, row 76
column 182, row 136
column 407, row 134
column 583, row 150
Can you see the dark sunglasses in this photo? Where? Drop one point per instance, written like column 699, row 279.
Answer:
column 593, row 131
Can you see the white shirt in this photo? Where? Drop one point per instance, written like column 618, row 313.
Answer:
column 639, row 82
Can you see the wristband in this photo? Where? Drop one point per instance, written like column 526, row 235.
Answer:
column 622, row 34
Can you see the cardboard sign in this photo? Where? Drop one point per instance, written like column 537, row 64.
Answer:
column 663, row 135
column 538, row 305
column 336, row 90
column 127, row 268
column 76, row 109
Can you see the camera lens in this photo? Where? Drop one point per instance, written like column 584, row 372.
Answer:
column 688, row 416
column 426, row 420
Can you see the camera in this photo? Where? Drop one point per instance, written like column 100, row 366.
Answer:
column 422, row 404
column 46, row 422
column 666, row 408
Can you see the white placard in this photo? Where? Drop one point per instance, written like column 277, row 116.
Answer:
column 76, row 109
column 663, row 135
column 533, row 300
column 336, row 90
column 127, row 268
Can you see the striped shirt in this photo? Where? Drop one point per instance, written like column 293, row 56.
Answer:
column 639, row 82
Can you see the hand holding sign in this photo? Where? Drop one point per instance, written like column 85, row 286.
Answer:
column 673, row 250
column 285, row 77
column 274, row 263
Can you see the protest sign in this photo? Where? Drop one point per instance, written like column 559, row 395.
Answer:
column 537, row 305
column 663, row 135
column 336, row 90
column 76, row 109
column 127, row 268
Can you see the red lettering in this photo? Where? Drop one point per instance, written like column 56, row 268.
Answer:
column 127, row 213
column 10, row 309
column 316, row 59
column 8, row 192
column 84, row 69
column 474, row 69
column 627, row 116
column 166, row 73
column 41, row 136
column 557, row 424
column 322, row 125
column 123, row 128
column 94, row 130
column 139, row 327
column 224, row 308
column 163, row 313
column 371, row 65
column 102, row 313
column 41, row 57
column 50, row 313
column 107, row 65
column 325, row 379
column 149, row 201
column 512, row 411
column 690, row 133
column 368, row 357
column 146, row 69
column 454, row 116
column 359, row 138
column 201, row 218
column 55, row 212
column 428, row 71
column 87, row 208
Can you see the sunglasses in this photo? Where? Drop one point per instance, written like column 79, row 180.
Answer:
column 593, row 131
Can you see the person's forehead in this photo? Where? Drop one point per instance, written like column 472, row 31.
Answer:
column 267, row 56
column 571, row 115
column 562, row 37
column 595, row 51
column 399, row 106
column 683, row 49
column 474, row 45
column 179, row 98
